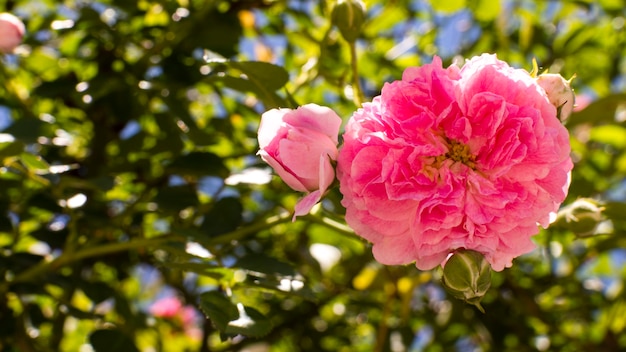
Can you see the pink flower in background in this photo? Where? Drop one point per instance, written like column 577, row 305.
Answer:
column 167, row 307
column 454, row 158
column 11, row 32
column 300, row 145
column 172, row 308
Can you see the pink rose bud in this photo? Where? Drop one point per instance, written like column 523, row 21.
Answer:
column 559, row 92
column 301, row 146
column 11, row 32
column 582, row 217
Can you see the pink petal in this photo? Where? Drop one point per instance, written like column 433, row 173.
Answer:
column 306, row 203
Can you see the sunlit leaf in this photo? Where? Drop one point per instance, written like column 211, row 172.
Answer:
column 34, row 162
column 448, row 6
column 610, row 134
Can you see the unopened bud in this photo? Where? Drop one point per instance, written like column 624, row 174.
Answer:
column 467, row 276
column 11, row 32
column 581, row 217
column 348, row 16
column 559, row 92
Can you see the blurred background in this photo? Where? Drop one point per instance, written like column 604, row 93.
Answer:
column 135, row 216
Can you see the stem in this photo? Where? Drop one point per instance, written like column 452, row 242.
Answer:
column 357, row 92
column 330, row 223
column 245, row 231
column 66, row 258
column 383, row 328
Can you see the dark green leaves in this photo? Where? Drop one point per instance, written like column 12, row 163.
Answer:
column 260, row 78
column 111, row 340
column 233, row 319
column 224, row 216
column 198, row 164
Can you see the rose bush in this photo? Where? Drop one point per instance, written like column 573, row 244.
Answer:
column 11, row 32
column 454, row 158
column 301, row 146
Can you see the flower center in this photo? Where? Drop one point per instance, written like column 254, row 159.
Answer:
column 458, row 152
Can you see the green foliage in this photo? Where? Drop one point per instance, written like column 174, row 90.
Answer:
column 128, row 174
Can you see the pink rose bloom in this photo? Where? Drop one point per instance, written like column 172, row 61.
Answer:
column 11, row 32
column 454, row 158
column 300, row 145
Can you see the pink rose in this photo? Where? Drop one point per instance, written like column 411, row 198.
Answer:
column 301, row 145
column 454, row 158
column 11, row 32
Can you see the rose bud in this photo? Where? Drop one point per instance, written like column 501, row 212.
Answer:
column 11, row 32
column 467, row 276
column 348, row 16
column 559, row 92
column 301, row 146
column 581, row 217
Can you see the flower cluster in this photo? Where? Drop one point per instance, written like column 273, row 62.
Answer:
column 444, row 159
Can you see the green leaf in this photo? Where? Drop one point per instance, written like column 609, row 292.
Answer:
column 198, row 164
column 34, row 162
column 600, row 111
column 268, row 96
column 111, row 340
column 204, row 269
column 55, row 239
column 260, row 78
column 218, row 308
column 11, row 149
column 224, row 216
column 26, row 129
column 176, row 198
column 250, row 322
column 486, row 10
column 263, row 73
column 233, row 319
column 613, row 135
column 96, row 291
column 448, row 6
column 262, row 263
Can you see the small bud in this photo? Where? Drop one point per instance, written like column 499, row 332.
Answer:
column 348, row 16
column 11, row 32
column 581, row 217
column 467, row 276
column 559, row 92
